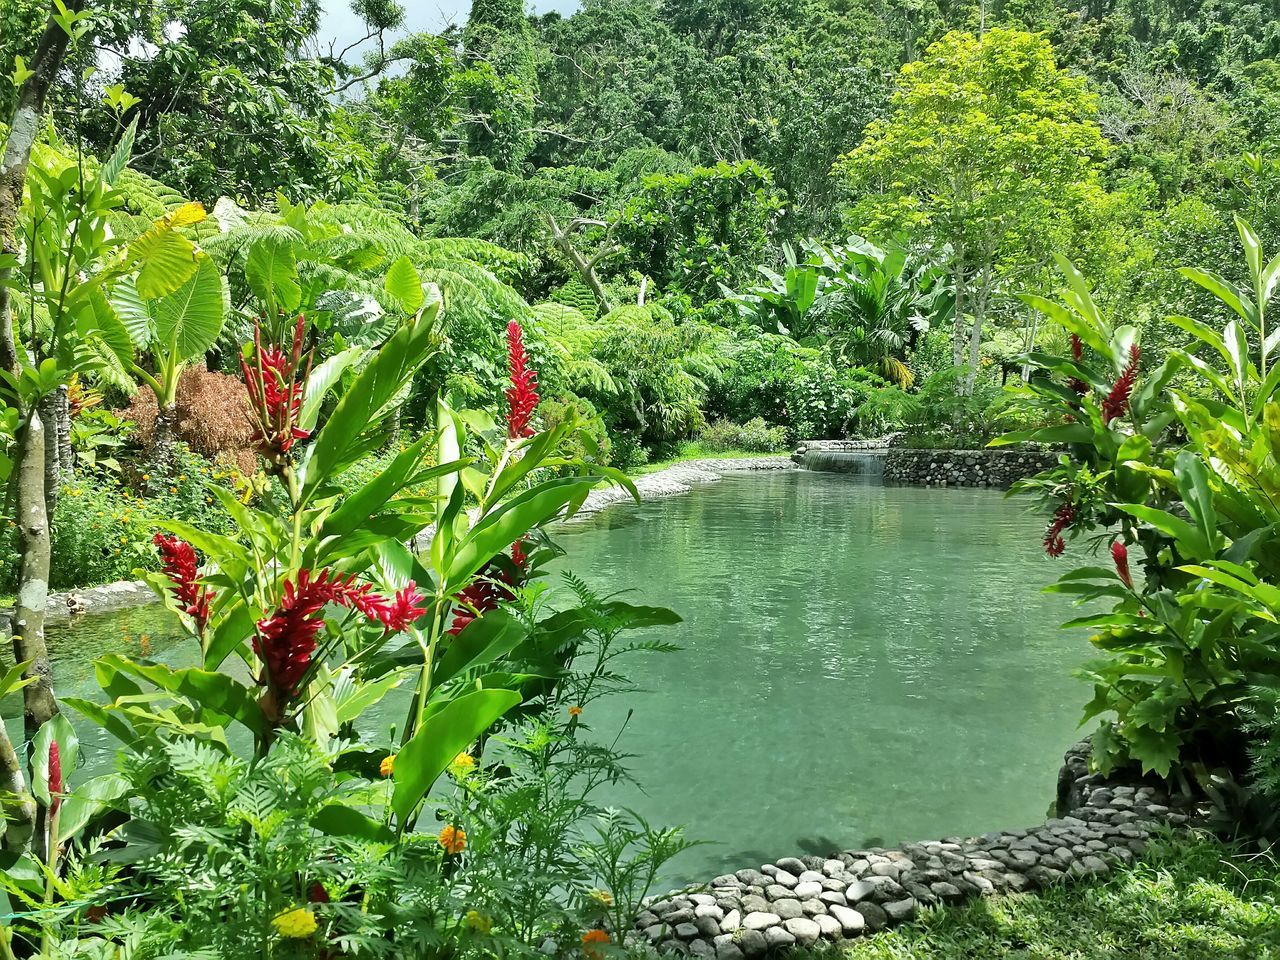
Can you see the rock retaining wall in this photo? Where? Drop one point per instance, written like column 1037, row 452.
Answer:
column 803, row 901
column 964, row 468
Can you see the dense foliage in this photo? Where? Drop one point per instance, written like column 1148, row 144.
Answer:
column 350, row 323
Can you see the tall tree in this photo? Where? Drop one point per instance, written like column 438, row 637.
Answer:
column 39, row 704
column 500, row 82
column 993, row 151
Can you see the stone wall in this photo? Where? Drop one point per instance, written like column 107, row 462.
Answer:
column 964, row 468
column 804, row 901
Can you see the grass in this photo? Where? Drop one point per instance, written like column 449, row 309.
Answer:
column 1189, row 900
column 696, row 450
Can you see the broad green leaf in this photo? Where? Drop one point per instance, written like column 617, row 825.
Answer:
column 87, row 801
column 337, row 820
column 133, row 312
column 324, row 377
column 271, row 270
column 164, row 257
column 441, row 737
column 367, row 401
column 482, row 641
column 190, row 319
column 217, row 693
column 1224, row 290
column 404, row 285
column 1197, row 495
column 497, row 530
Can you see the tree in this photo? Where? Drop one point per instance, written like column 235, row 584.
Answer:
column 500, row 82
column 991, row 149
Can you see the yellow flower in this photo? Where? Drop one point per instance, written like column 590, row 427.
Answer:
column 575, row 711
column 479, row 922
column 453, row 839
column 173, row 489
column 602, row 897
column 462, row 763
column 146, row 476
column 388, row 765
column 295, row 924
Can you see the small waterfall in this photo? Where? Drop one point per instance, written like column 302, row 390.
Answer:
column 866, row 464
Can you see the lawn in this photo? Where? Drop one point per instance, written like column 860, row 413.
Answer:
column 1190, row 901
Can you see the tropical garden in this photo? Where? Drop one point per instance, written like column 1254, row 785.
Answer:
column 325, row 338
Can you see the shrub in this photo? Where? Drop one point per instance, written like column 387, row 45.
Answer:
column 212, row 417
column 755, row 436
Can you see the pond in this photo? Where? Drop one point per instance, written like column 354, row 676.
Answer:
column 860, row 664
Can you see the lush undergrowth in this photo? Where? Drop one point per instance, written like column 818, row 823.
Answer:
column 1192, row 901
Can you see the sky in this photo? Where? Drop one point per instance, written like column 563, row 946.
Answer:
column 342, row 26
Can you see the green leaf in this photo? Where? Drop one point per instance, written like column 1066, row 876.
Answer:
column 482, row 641
column 1224, row 290
column 440, row 738
column 403, row 285
column 337, row 820
column 12, row 679
column 271, row 270
column 133, row 312
column 189, row 320
column 165, row 258
column 344, row 437
column 324, row 377
column 512, row 520
column 357, row 508
column 217, row 693
column 1197, row 496
column 88, row 801
column 119, row 158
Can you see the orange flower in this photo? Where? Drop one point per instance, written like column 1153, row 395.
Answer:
column 388, row 765
column 575, row 711
column 453, row 839
column 590, row 943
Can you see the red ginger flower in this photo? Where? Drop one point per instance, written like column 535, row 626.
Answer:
column 1077, row 351
column 485, row 593
column 522, row 397
column 1120, row 556
column 286, row 640
column 181, row 567
column 1063, row 517
column 275, row 391
column 1117, row 402
column 55, row 777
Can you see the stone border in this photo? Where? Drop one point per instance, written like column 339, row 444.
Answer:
column 805, row 901
column 679, row 478
column 844, row 446
column 999, row 468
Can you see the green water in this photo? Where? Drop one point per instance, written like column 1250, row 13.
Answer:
column 860, row 665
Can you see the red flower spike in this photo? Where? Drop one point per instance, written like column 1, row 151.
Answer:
column 287, row 639
column 1120, row 556
column 275, row 391
column 1063, row 517
column 485, row 593
column 182, row 568
column 1077, row 351
column 55, row 777
column 522, row 397
column 1117, row 402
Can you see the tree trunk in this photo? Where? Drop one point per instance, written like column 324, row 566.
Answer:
column 17, row 806
column 586, row 268
column 33, row 577
column 164, row 440
column 49, row 416
column 66, row 456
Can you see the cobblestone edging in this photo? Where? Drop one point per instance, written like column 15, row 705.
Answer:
column 964, row 468
column 802, row 901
